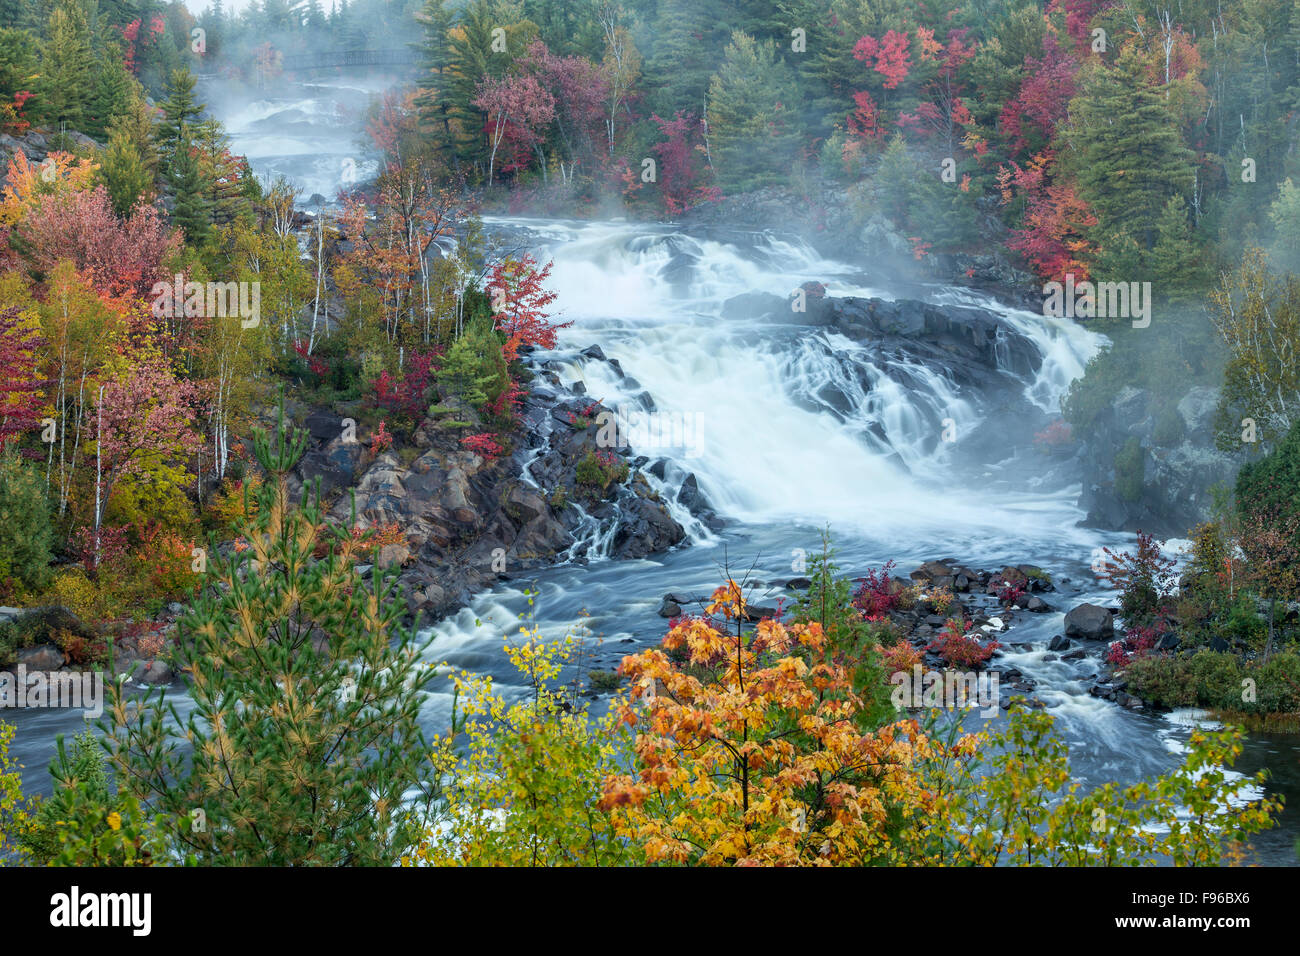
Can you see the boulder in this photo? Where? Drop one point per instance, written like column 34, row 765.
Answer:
column 42, row 657
column 669, row 607
column 1059, row 643
column 933, row 573
column 1090, row 622
column 155, row 672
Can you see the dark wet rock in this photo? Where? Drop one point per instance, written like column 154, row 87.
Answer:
column 1059, row 643
column 669, row 607
column 1090, row 622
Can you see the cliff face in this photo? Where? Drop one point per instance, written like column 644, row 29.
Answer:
column 1153, row 474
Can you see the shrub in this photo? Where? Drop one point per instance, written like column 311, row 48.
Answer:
column 1144, row 579
column 1268, row 504
column 1217, row 680
column 232, row 504
column 600, row 469
column 1170, row 429
column 604, row 680
column 1130, row 470
column 901, row 657
column 73, row 590
column 523, row 779
column 941, row 599
column 960, row 651
column 13, row 805
column 876, row 595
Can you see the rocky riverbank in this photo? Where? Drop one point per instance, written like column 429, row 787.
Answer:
column 468, row 521
column 981, row 606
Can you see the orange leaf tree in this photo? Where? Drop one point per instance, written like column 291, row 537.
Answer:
column 753, row 753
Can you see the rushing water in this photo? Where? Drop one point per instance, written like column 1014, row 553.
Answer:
column 776, row 456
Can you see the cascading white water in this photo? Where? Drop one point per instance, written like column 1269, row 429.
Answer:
column 771, row 447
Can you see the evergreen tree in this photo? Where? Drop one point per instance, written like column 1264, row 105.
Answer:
column 752, row 115
column 474, row 372
column 66, row 61
column 471, row 59
column 193, row 209
column 1131, row 155
column 1177, row 262
column 18, row 62
column 123, row 172
column 137, row 124
column 305, row 736
column 25, row 532
column 111, row 94
column 435, row 98
column 181, row 114
column 221, row 172
column 683, row 55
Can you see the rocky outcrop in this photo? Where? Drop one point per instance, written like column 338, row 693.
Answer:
column 36, row 145
column 1153, row 471
column 466, row 521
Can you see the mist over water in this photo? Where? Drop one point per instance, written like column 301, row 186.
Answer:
column 310, row 130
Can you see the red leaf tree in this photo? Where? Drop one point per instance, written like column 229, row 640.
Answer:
column 519, row 302
column 21, row 387
column 123, row 256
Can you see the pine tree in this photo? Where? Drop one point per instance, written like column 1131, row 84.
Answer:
column 471, row 59
column 305, row 735
column 1177, row 261
column 193, row 210
column 752, row 115
column 435, row 97
column 221, row 172
column 18, row 62
column 110, row 96
column 123, row 172
column 26, row 535
column 1131, row 154
column 136, row 122
column 66, row 60
column 474, row 371
column 181, row 114
column 684, row 55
